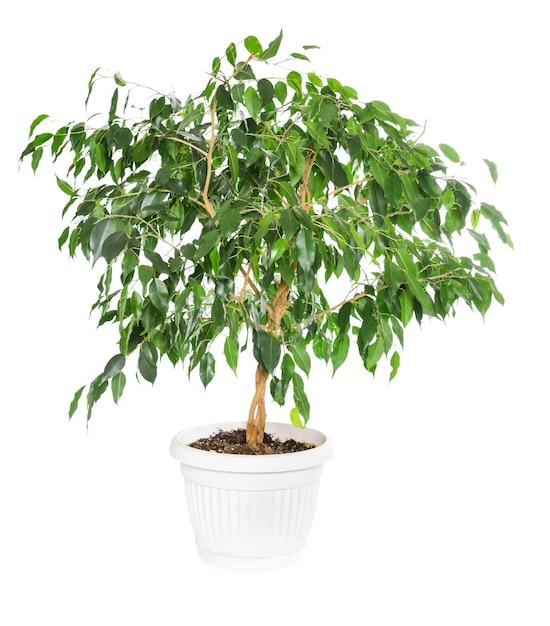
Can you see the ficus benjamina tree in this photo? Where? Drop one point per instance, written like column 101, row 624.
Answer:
column 274, row 211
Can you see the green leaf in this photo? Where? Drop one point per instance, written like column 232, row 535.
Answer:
column 497, row 219
column 305, row 246
column 294, row 80
column 277, row 250
column 114, row 104
column 287, row 371
column 36, row 156
column 301, row 356
column 295, row 418
column 327, row 112
column 113, row 245
column 158, row 292
column 147, row 362
column 281, row 91
column 407, row 264
column 38, row 120
column 393, row 189
column 374, row 353
column 268, row 350
column 273, row 48
column 64, row 186
column 340, row 351
column 114, row 366
column 266, row 90
column 233, row 160
column 75, row 401
column 253, row 45
column 63, row 237
column 157, row 261
column 119, row 80
column 207, row 369
column 300, row 397
column 231, row 352
column 492, row 169
column 252, row 101
column 102, row 230
column 223, row 98
column 407, row 307
column 231, row 54
column 117, row 386
column 206, row 242
column 394, row 362
column 216, row 65
column 449, row 152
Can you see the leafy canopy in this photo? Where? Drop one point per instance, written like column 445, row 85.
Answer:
column 234, row 217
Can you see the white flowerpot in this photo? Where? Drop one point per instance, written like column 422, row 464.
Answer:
column 251, row 511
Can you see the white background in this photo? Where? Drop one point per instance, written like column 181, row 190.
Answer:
column 435, row 509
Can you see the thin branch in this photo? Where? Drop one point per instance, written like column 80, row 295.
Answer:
column 207, row 204
column 247, row 281
column 305, row 198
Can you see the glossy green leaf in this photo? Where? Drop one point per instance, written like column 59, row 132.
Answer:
column 449, row 152
column 394, row 362
column 253, row 45
column 207, row 369
column 231, row 352
column 279, row 248
column 113, row 245
column 492, row 169
column 301, row 357
column 266, row 90
column 147, row 361
column 393, row 189
column 75, row 401
column 273, row 48
column 295, row 418
column 64, row 186
column 407, row 264
column 268, row 350
column 300, row 397
column 281, row 91
column 158, row 292
column 36, row 157
column 223, row 98
column 114, row 366
column 340, row 351
column 118, row 383
column 407, row 307
column 314, row 79
column 233, row 160
column 37, row 120
column 206, row 243
column 497, row 220
column 305, row 246
column 252, row 101
column 231, row 54
column 294, row 80
column 100, row 233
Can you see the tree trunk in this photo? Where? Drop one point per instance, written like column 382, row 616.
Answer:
column 257, row 414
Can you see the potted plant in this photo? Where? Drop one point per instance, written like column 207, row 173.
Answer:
column 273, row 213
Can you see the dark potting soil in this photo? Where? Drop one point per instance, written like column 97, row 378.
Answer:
column 234, row 442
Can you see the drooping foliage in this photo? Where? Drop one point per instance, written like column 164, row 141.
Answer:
column 274, row 211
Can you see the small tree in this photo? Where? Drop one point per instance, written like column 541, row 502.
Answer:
column 228, row 217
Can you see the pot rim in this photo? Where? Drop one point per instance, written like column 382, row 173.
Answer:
column 291, row 461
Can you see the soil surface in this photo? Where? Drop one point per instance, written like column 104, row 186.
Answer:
column 234, row 442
